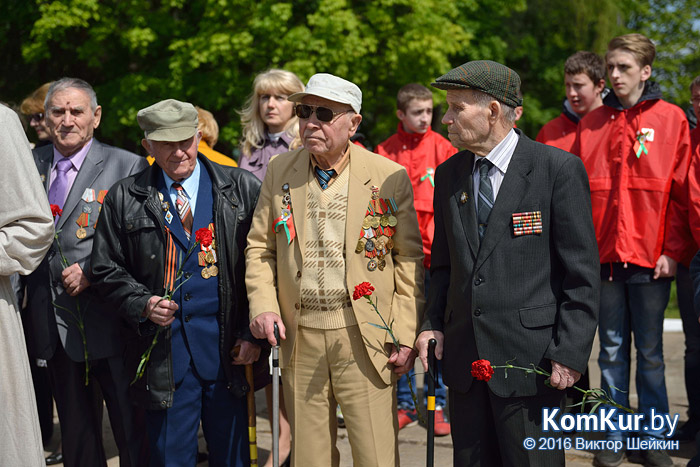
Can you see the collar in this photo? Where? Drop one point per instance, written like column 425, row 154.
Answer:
column 339, row 166
column 285, row 138
column 501, row 155
column 651, row 91
column 76, row 159
column 190, row 184
column 407, row 137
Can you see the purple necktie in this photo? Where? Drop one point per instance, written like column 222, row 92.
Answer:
column 59, row 188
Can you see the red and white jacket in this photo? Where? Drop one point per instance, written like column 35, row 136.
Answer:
column 637, row 162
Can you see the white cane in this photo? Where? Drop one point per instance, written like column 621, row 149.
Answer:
column 276, row 399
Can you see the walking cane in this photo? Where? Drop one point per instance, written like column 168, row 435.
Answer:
column 276, row 399
column 432, row 381
column 252, row 430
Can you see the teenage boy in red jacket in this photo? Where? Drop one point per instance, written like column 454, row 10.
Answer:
column 584, row 78
column 420, row 150
column 636, row 150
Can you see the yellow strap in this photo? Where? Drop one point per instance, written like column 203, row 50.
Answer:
column 431, row 402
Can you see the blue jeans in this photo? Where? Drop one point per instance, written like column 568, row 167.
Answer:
column 633, row 307
column 403, row 392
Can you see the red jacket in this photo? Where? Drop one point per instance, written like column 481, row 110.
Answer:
column 559, row 132
column 420, row 154
column 639, row 203
column 694, row 193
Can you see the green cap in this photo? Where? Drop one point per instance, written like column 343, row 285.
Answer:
column 487, row 76
column 168, row 120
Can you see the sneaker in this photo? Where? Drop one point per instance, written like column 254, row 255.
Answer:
column 339, row 416
column 407, row 418
column 656, row 458
column 608, row 458
column 442, row 424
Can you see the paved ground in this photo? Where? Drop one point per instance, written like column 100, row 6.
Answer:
column 412, row 440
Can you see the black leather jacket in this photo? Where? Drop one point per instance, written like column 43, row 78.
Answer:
column 128, row 262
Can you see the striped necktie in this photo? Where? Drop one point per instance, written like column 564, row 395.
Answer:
column 183, row 209
column 323, row 176
column 485, row 203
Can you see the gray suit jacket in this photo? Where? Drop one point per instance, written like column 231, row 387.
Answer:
column 527, row 299
column 103, row 166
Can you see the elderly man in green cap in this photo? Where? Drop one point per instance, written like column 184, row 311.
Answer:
column 514, row 272
column 182, row 293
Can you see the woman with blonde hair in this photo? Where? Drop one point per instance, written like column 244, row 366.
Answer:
column 269, row 124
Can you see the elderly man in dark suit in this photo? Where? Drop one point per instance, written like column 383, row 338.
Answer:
column 514, row 273
column 77, row 170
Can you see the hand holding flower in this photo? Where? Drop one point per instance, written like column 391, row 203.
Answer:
column 160, row 310
column 402, row 360
column 562, row 376
column 74, row 279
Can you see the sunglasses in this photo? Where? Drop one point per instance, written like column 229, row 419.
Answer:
column 323, row 114
column 39, row 116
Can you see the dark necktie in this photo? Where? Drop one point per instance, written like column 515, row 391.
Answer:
column 485, row 203
column 183, row 209
column 323, row 176
column 58, row 192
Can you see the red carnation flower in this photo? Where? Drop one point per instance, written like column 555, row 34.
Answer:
column 203, row 236
column 55, row 210
column 482, row 370
column 364, row 289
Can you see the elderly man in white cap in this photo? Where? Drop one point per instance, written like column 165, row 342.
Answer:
column 332, row 215
column 154, row 256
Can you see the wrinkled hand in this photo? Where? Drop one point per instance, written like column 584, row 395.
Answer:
column 422, row 345
column 665, row 267
column 244, row 352
column 161, row 312
column 263, row 327
column 403, row 359
column 562, row 376
column 74, row 281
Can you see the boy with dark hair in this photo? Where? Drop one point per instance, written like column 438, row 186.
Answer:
column 420, row 150
column 636, row 150
column 584, row 78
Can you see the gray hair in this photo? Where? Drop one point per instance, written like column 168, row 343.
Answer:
column 66, row 83
column 482, row 99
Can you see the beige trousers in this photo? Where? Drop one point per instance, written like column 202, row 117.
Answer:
column 332, row 367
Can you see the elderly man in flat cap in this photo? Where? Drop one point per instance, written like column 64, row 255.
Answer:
column 514, row 272
column 149, row 244
column 332, row 215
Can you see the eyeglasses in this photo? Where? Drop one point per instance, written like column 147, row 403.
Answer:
column 39, row 116
column 323, row 114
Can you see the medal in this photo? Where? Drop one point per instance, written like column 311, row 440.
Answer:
column 205, row 273
column 360, row 245
column 83, row 221
column 392, row 221
column 369, row 246
column 372, row 265
column 366, row 222
column 169, row 217
column 384, row 221
column 213, row 271
column 381, row 264
column 87, row 209
column 374, row 222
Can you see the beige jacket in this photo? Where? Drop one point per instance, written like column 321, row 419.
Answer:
column 274, row 268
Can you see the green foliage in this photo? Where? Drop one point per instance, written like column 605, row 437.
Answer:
column 136, row 52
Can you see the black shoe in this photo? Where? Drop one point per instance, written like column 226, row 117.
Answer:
column 608, row 458
column 55, row 458
column 202, row 457
column 657, row 458
column 687, row 431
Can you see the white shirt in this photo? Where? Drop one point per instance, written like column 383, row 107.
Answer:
column 500, row 157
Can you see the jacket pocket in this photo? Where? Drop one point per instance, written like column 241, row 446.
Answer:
column 538, row 316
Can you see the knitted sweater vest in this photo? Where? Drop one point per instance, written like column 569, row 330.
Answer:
column 325, row 300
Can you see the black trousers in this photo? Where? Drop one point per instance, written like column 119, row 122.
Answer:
column 489, row 431
column 691, row 329
column 80, row 411
column 44, row 399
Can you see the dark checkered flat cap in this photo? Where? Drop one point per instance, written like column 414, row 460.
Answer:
column 487, row 76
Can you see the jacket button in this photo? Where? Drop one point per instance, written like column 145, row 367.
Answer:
column 129, row 226
column 478, row 281
column 297, row 306
column 187, row 297
column 56, row 283
column 298, row 273
column 163, row 403
column 188, row 275
column 188, row 318
column 477, row 312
